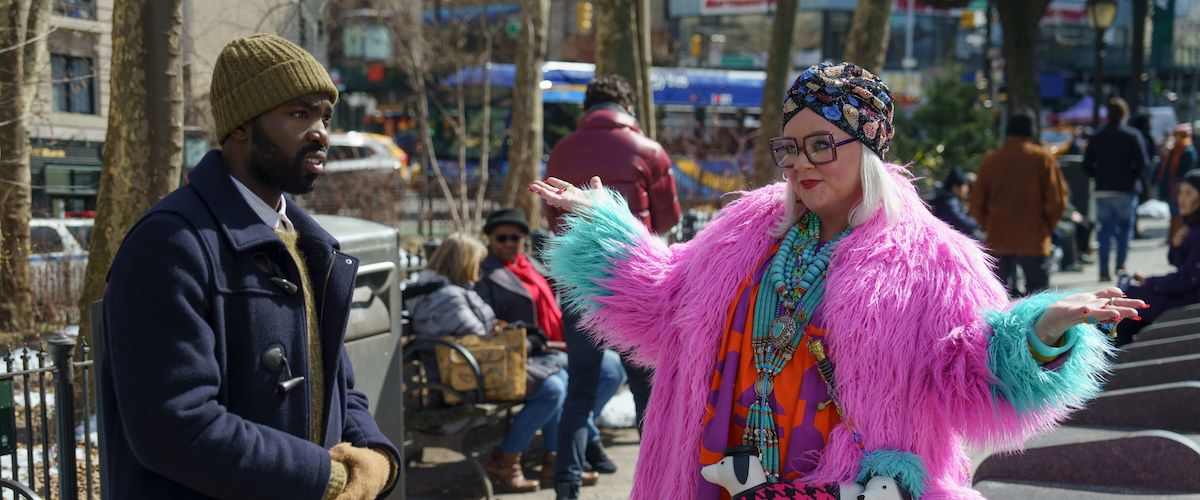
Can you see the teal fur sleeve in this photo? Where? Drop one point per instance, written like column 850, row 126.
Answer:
column 1022, row 380
column 592, row 240
column 904, row 467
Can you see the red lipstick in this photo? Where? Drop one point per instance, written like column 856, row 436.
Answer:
column 809, row 183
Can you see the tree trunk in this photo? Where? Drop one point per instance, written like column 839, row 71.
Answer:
column 525, row 151
column 36, row 32
column 16, row 297
column 867, row 42
column 143, row 149
column 779, row 66
column 646, row 115
column 617, row 47
column 1137, row 63
column 1019, row 22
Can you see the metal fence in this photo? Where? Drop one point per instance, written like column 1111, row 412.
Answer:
column 39, row 427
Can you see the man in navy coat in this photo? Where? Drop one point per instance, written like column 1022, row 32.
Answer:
column 223, row 373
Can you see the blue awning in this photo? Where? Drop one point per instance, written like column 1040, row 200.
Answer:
column 562, row 82
column 707, row 87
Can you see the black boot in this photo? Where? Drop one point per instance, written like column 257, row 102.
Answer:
column 566, row 491
column 598, row 459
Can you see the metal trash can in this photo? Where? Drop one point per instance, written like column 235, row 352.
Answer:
column 374, row 327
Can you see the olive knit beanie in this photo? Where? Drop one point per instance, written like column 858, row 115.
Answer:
column 257, row 73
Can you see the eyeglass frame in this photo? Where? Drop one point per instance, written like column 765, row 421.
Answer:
column 800, row 147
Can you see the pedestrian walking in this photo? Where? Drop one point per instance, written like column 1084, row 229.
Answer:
column 1115, row 158
column 224, row 373
column 838, row 270
column 609, row 143
column 1018, row 200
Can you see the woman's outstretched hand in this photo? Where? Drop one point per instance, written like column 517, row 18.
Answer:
column 1107, row 306
column 562, row 194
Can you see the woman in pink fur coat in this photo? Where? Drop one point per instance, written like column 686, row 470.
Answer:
column 927, row 353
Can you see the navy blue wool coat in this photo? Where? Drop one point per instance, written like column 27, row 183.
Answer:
column 190, row 408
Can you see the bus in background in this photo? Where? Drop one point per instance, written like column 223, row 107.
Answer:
column 706, row 119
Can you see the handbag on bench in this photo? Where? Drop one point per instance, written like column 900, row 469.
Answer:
column 501, row 357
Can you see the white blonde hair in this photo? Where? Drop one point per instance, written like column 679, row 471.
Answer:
column 878, row 193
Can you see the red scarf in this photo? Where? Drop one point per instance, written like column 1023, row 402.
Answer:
column 549, row 316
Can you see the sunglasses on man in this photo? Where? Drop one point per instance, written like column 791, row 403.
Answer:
column 506, row 238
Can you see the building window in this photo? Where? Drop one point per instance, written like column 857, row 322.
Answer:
column 81, row 9
column 74, row 84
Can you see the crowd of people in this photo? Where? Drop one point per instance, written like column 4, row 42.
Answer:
column 1019, row 226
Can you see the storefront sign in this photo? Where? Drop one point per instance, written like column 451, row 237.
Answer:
column 720, row 7
column 42, row 152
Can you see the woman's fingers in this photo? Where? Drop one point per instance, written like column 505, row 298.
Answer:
column 595, row 182
column 558, row 183
column 1109, row 314
column 1110, row 292
column 1130, row 303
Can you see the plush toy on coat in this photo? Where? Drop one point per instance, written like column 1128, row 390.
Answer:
column 741, row 473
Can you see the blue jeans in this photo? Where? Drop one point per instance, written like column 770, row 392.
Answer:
column 542, row 410
column 612, row 377
column 584, row 370
column 1116, row 222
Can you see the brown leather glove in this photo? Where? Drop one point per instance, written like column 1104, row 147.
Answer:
column 368, row 471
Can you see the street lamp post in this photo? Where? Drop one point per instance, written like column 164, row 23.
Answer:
column 1100, row 15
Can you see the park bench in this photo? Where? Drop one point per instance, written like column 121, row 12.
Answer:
column 471, row 428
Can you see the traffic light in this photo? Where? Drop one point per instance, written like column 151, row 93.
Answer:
column 583, row 16
column 697, row 45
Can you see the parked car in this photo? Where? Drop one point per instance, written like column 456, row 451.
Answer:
column 366, row 176
column 57, row 263
column 365, row 151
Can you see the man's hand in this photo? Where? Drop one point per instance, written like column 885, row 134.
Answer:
column 368, row 470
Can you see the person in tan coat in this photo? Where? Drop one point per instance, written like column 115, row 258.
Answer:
column 1018, row 199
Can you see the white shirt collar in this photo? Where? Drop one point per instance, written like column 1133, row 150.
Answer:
column 276, row 219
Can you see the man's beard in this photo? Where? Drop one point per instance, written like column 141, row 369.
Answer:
column 271, row 166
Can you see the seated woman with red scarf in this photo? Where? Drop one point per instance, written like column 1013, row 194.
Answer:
column 516, row 289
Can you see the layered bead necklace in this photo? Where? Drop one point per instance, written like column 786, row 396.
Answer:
column 794, row 286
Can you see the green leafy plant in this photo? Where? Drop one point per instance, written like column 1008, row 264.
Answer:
column 948, row 128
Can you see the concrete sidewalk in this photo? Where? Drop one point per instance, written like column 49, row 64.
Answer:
column 443, row 474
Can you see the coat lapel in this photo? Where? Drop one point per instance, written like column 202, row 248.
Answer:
column 501, row 276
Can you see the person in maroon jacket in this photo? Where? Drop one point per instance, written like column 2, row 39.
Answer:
column 607, row 143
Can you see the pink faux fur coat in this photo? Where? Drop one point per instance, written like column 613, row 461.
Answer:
column 905, row 310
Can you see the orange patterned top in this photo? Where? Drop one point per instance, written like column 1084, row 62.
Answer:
column 802, row 429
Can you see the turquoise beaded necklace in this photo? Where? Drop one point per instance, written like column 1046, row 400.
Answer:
column 795, row 285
